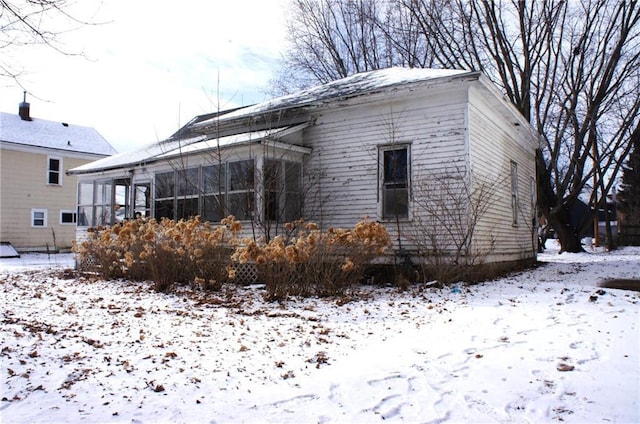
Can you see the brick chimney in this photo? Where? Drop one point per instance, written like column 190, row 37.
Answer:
column 23, row 110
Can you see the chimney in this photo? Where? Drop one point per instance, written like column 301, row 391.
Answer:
column 23, row 110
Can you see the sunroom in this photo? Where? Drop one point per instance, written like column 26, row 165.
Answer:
column 256, row 176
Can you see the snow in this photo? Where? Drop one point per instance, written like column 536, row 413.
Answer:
column 355, row 85
column 176, row 147
column 542, row 345
column 52, row 135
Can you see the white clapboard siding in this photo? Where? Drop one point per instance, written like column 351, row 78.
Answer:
column 494, row 143
column 345, row 147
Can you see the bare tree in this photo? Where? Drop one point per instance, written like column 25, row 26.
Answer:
column 334, row 39
column 571, row 68
column 29, row 22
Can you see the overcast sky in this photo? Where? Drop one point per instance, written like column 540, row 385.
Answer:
column 153, row 66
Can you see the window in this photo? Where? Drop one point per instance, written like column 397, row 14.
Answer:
column 514, row 192
column 142, row 200
column 54, row 168
column 240, row 194
column 68, row 217
column 103, row 207
column 395, row 182
column 39, row 218
column 187, row 193
column 214, row 188
column 165, row 195
column 121, row 199
column 85, row 204
column 283, row 200
column 228, row 188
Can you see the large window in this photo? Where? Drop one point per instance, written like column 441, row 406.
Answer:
column 229, row 188
column 54, row 171
column 394, row 171
column 101, row 202
column 224, row 189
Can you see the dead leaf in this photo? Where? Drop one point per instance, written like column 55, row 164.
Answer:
column 562, row 367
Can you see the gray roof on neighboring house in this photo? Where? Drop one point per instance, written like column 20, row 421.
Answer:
column 52, row 135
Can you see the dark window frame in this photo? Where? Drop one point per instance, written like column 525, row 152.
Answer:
column 394, row 176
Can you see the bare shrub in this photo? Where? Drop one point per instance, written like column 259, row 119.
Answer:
column 448, row 209
column 167, row 252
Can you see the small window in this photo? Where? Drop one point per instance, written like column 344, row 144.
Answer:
column 54, row 174
column 68, row 217
column 514, row 192
column 39, row 218
column 395, row 182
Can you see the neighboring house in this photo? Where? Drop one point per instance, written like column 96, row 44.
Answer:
column 37, row 199
column 363, row 146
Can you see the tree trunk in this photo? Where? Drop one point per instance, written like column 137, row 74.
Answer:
column 568, row 237
column 556, row 213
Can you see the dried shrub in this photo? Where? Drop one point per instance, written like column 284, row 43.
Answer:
column 313, row 262
column 167, row 252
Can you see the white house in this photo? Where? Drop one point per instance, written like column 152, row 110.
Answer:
column 376, row 144
column 37, row 199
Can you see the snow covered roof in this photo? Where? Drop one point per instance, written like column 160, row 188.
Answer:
column 232, row 124
column 176, row 147
column 52, row 135
column 352, row 86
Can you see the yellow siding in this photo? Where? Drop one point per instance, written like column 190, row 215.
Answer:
column 23, row 186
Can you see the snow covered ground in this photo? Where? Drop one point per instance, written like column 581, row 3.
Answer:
column 543, row 345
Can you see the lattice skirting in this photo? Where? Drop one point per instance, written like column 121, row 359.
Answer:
column 246, row 273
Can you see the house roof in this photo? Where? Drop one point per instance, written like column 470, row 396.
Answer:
column 353, row 86
column 173, row 148
column 52, row 135
column 242, row 124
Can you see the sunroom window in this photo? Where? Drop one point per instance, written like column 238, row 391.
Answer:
column 103, row 198
column 240, row 195
column 142, row 200
column 85, row 203
column 214, row 188
column 282, row 190
column 165, row 185
column 187, row 193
